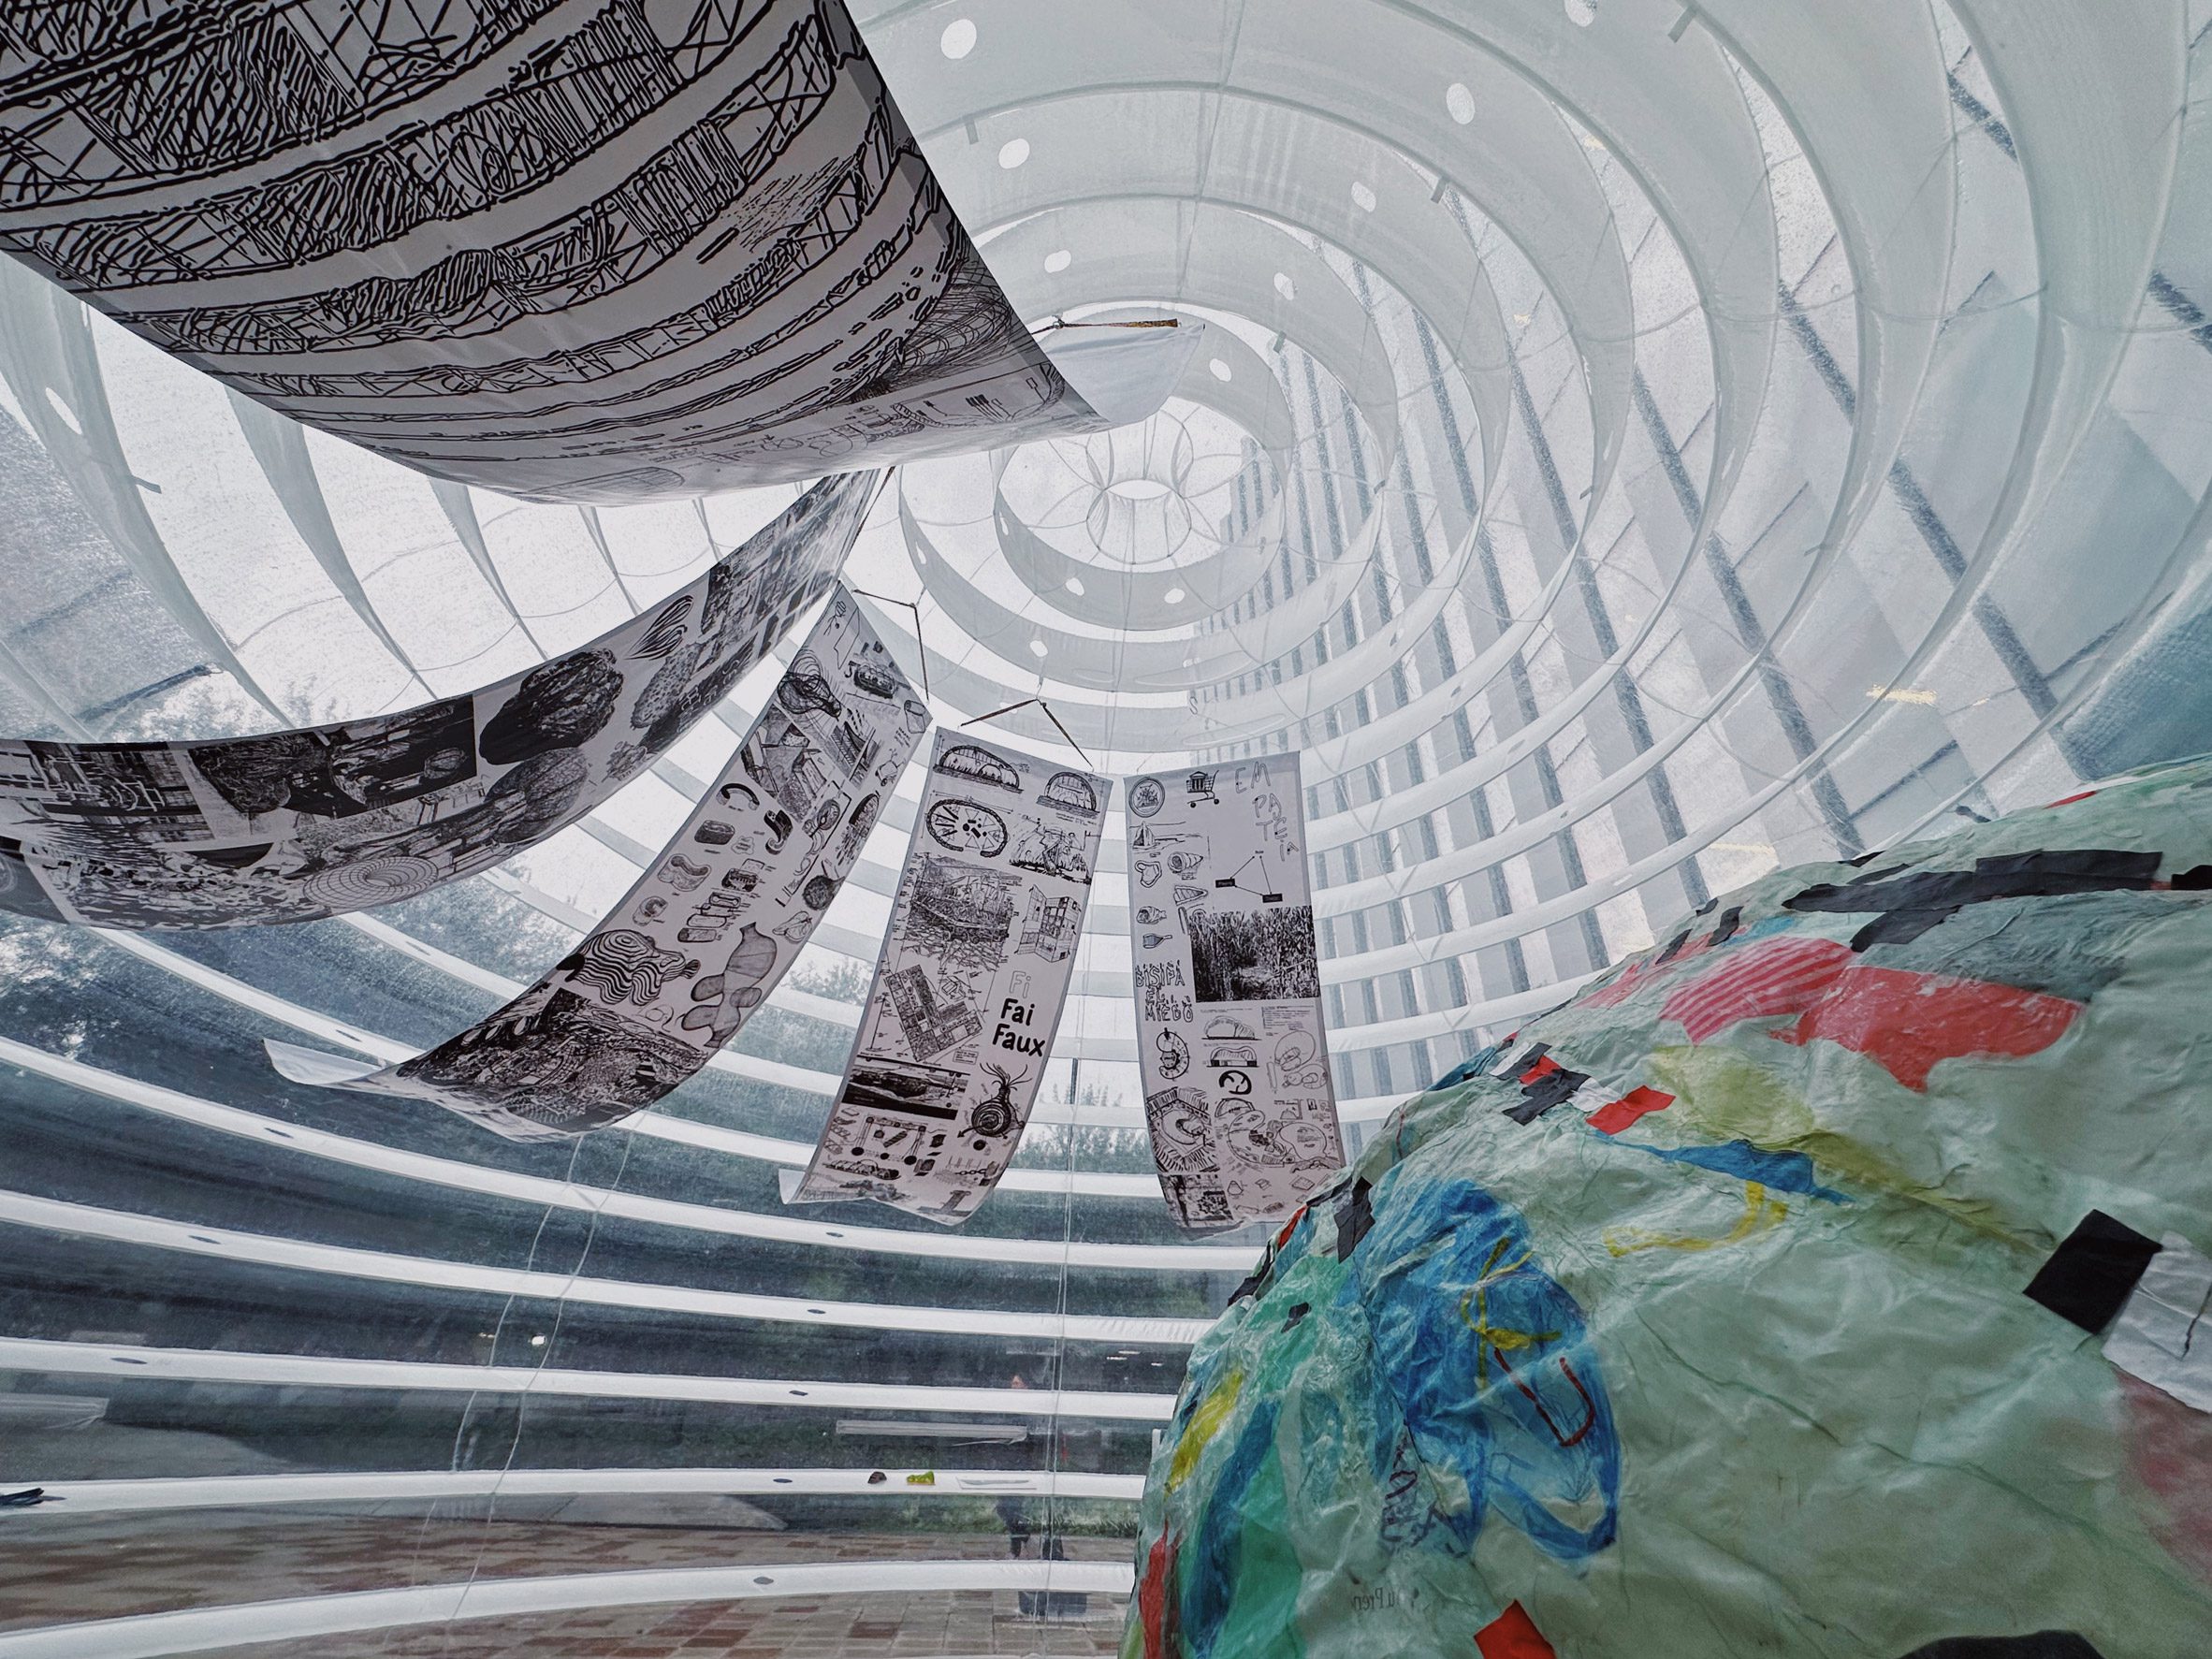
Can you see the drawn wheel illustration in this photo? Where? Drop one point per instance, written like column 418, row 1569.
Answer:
column 993, row 1118
column 373, row 881
column 965, row 826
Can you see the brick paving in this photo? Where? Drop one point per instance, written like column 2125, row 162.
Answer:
column 111, row 1566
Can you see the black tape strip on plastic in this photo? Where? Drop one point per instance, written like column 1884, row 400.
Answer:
column 2091, row 1274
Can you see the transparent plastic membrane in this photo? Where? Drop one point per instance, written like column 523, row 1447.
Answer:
column 1633, row 447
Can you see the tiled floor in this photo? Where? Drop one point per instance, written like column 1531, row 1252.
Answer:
column 960, row 1622
column 113, row 1566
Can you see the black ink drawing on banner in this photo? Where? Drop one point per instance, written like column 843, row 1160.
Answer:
column 960, row 825
column 558, row 1060
column 1058, row 850
column 299, row 825
column 1073, row 793
column 1181, row 1120
column 931, row 1026
column 689, row 953
column 1053, row 926
column 972, row 975
column 623, row 965
column 1228, row 1014
column 978, row 764
column 587, row 254
column 1163, row 996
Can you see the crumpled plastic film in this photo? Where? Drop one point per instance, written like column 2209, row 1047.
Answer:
column 1692, row 1319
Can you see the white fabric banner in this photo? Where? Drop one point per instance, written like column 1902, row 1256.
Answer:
column 970, row 987
column 293, row 827
column 679, row 964
column 580, row 253
column 1229, row 1038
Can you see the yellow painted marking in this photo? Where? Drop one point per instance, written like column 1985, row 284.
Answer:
column 1759, row 1211
column 1205, row 1422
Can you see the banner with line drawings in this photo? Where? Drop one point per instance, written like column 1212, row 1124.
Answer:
column 1229, row 1038
column 968, row 989
column 679, row 966
column 581, row 253
column 295, row 826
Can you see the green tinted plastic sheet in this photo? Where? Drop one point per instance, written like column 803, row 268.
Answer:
column 1691, row 1320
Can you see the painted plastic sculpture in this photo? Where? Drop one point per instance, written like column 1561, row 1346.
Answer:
column 1827, row 1280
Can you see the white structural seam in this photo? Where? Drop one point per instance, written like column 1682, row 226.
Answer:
column 300, row 1619
column 316, row 1371
column 300, row 1255
column 255, row 1492
column 602, row 1201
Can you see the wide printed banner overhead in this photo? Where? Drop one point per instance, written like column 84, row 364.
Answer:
column 1229, row 1038
column 681, row 963
column 292, row 826
column 585, row 253
column 970, row 987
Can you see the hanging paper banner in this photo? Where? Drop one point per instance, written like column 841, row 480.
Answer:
column 679, row 964
column 1229, row 1039
column 969, row 985
column 292, row 826
column 583, row 253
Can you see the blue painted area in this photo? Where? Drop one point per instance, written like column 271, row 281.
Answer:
column 1209, row 1564
column 1784, row 1172
column 1474, row 1066
column 1490, row 1365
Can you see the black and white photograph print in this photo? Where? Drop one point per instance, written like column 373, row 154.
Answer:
column 1263, row 955
column 882, row 1085
column 337, row 772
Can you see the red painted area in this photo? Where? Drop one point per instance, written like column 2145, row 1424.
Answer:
column 1786, row 976
column 2169, row 1448
column 1612, row 1118
column 1544, row 1067
column 1638, row 974
column 1512, row 1635
column 1906, row 1021
column 1152, row 1596
column 2069, row 800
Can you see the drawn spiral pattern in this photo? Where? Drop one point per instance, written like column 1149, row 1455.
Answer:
column 373, row 881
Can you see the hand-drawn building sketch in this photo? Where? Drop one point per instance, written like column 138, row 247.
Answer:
column 293, row 827
column 969, row 988
column 680, row 964
column 572, row 253
column 1229, row 1039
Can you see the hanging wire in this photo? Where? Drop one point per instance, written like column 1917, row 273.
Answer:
column 1048, row 715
